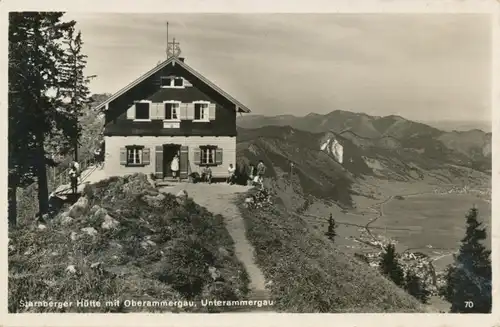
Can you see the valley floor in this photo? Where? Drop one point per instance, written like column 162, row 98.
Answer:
column 417, row 216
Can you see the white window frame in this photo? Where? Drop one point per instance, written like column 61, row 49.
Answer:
column 178, row 103
column 133, row 151
column 207, row 149
column 207, row 113
column 172, row 82
column 150, row 104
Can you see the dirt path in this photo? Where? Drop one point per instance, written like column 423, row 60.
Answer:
column 219, row 199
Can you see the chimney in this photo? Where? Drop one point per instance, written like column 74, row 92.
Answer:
column 181, row 59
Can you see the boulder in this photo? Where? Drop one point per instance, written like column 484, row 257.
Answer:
column 71, row 269
column 109, row 222
column 223, row 252
column 214, row 273
column 66, row 219
column 100, row 214
column 151, row 192
column 147, row 244
column 154, row 201
column 79, row 208
column 73, row 236
column 94, row 209
column 89, row 231
column 181, row 196
column 42, row 227
column 95, row 265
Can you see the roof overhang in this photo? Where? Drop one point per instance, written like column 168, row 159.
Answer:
column 174, row 61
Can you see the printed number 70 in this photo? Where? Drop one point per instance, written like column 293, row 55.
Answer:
column 469, row 304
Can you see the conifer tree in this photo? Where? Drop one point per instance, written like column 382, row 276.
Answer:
column 415, row 287
column 38, row 105
column 332, row 226
column 468, row 279
column 390, row 267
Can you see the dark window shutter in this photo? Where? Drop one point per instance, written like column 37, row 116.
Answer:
column 146, row 157
column 168, row 111
column 197, row 156
column 159, row 161
column 218, row 156
column 183, row 162
column 123, row 156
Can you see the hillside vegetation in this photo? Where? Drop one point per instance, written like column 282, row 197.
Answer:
column 307, row 273
column 124, row 240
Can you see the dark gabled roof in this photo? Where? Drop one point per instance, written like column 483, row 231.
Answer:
column 176, row 61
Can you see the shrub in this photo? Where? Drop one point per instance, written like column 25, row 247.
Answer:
column 331, row 233
column 415, row 287
column 389, row 265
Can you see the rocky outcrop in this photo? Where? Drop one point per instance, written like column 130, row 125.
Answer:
column 333, row 148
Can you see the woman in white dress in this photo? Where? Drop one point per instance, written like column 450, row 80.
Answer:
column 174, row 166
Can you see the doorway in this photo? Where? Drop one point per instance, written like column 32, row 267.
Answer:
column 169, row 152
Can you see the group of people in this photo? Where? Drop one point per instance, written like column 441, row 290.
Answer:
column 255, row 175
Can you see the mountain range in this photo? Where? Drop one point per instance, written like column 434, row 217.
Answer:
column 330, row 153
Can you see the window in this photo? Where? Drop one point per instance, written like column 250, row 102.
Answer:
column 207, row 155
column 165, row 81
column 179, row 82
column 171, row 81
column 201, row 111
column 134, row 155
column 142, row 110
column 172, row 110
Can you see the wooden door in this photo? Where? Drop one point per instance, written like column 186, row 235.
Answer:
column 159, row 161
column 184, row 162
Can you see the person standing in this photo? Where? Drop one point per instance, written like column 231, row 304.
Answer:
column 174, row 167
column 97, row 157
column 251, row 174
column 261, row 170
column 73, row 178
column 206, row 175
column 232, row 174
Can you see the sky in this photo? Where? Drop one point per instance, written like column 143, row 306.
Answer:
column 420, row 66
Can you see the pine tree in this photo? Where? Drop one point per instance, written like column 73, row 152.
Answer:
column 332, row 226
column 468, row 280
column 390, row 267
column 37, row 110
column 73, row 92
column 415, row 287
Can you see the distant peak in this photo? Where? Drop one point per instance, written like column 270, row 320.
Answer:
column 396, row 117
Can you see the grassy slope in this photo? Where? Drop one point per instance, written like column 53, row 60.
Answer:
column 185, row 238
column 309, row 274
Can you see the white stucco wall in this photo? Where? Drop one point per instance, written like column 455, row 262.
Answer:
column 112, row 166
